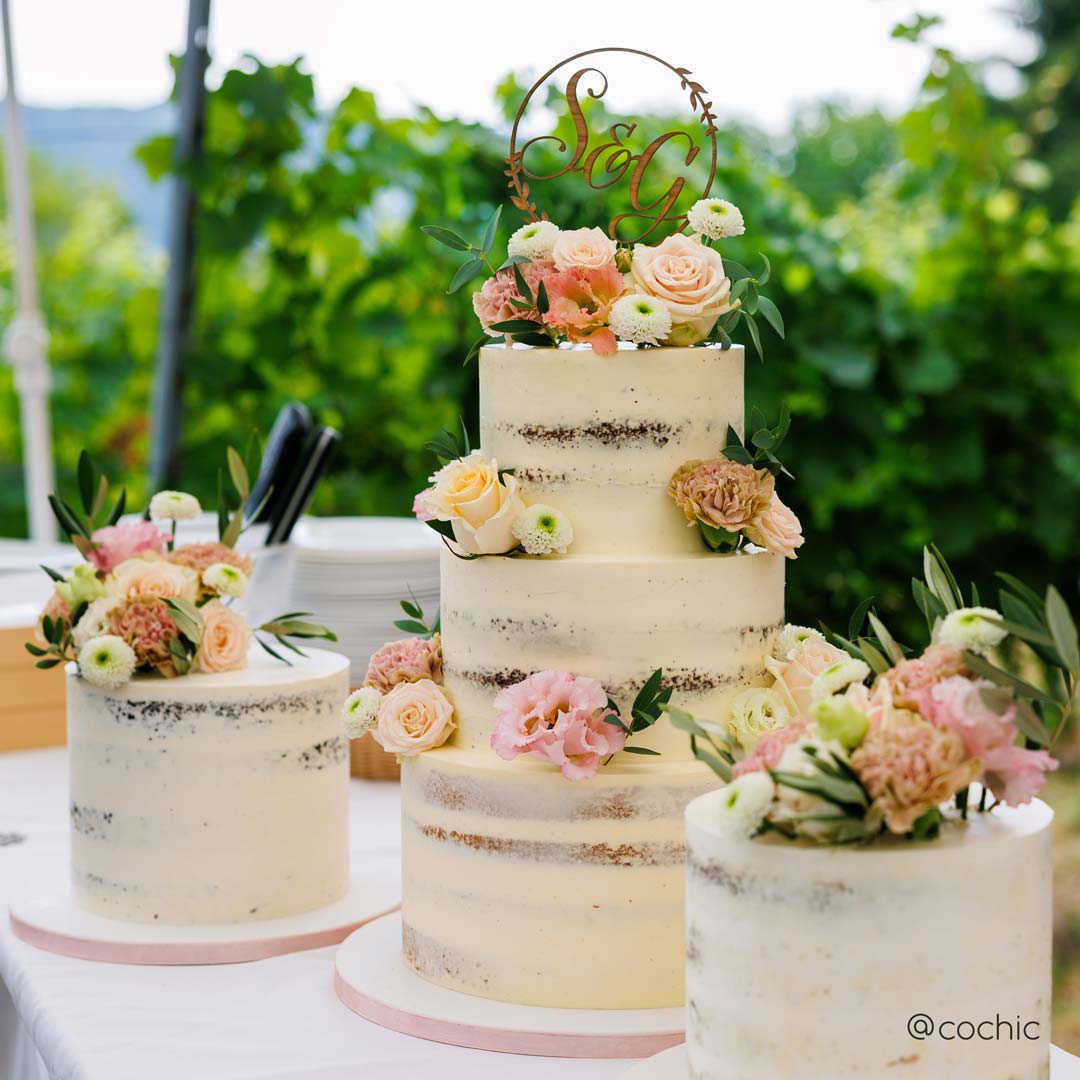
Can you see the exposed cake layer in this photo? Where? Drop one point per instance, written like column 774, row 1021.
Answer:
column 706, row 619
column 599, row 437
column 805, row 962
column 211, row 798
column 522, row 886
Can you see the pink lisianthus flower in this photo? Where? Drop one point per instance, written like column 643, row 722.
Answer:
column 419, row 506
column 557, row 717
column 580, row 300
column 113, row 544
column 407, row 661
column 492, row 303
column 1014, row 774
column 770, row 749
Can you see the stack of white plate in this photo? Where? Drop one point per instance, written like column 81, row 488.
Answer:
column 353, row 573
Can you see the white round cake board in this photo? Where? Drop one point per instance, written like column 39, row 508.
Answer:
column 672, row 1065
column 55, row 924
column 372, row 979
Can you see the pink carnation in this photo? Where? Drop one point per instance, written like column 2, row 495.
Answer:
column 492, row 303
column 115, row 543
column 199, row 557
column 770, row 749
column 146, row 625
column 405, row 661
column 580, row 303
column 557, row 717
column 910, row 676
column 1014, row 774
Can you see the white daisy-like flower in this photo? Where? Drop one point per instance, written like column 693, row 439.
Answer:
column 361, row 711
column 641, row 319
column 175, row 506
column 543, row 529
column 968, row 628
column 744, row 804
column 791, row 637
column 716, row 218
column 534, row 240
column 94, row 622
column 837, row 677
column 225, row 580
column 107, row 660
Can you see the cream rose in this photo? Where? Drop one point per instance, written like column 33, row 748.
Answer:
column 152, row 575
column 225, row 639
column 795, row 676
column 481, row 507
column 588, row 248
column 413, row 717
column 689, row 278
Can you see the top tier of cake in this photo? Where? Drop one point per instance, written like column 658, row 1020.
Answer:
column 599, row 437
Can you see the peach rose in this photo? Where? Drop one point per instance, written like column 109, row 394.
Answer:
column 776, row 529
column 225, row 639
column 413, row 717
column 152, row 575
column 794, row 677
column 689, row 278
column 481, row 507
column 590, row 249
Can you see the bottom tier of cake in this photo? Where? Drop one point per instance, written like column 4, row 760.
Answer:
column 923, row 960
column 522, row 886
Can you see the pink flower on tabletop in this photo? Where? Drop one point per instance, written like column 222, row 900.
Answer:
column 113, row 544
column 776, row 529
column 580, row 302
column 557, row 717
column 419, row 507
column 770, row 749
column 492, row 303
column 200, row 557
column 590, row 249
column 225, row 640
column 903, row 681
column 413, row 717
column 408, row 660
column 146, row 625
column 722, row 493
column 795, row 677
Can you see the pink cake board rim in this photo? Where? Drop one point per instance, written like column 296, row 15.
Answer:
column 372, row 980
column 56, row 925
column 673, row 1065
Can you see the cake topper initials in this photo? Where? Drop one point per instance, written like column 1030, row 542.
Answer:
column 605, row 160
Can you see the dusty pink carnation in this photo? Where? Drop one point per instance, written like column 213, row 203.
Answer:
column 201, row 556
column 580, row 305
column 776, row 529
column 492, row 303
column 906, row 679
column 557, row 717
column 146, row 625
column 115, row 543
column 770, row 749
column 1014, row 774
column 722, row 493
column 910, row 766
column 405, row 661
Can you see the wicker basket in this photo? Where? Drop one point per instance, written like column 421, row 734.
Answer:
column 369, row 761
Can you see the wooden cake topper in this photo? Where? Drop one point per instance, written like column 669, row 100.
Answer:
column 607, row 161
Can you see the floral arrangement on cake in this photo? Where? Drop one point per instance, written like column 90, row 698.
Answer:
column 860, row 737
column 732, row 499
column 481, row 507
column 402, row 702
column 142, row 603
column 581, row 286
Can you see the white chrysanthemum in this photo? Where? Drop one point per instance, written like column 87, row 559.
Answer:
column 534, row 240
column 791, row 637
column 225, row 580
column 716, row 218
column 94, row 622
column 641, row 319
column 107, row 660
column 175, row 506
column 746, row 801
column 837, row 677
column 968, row 628
column 361, row 711
column 543, row 529
column 755, row 712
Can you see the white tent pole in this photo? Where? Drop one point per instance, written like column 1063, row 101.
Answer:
column 26, row 339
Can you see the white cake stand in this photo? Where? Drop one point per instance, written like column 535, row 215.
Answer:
column 55, row 924
column 672, row 1065
column 372, row 979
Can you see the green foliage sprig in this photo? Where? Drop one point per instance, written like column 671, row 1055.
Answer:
column 752, row 302
column 764, row 439
column 58, row 648
column 417, row 623
column 230, row 504
column 93, row 494
column 292, row 625
column 708, row 743
column 649, row 703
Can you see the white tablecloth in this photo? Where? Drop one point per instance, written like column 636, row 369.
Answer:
column 275, row 1019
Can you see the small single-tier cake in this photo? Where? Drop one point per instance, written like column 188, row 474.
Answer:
column 922, row 960
column 211, row 798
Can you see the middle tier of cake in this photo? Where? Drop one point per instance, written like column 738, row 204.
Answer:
column 707, row 620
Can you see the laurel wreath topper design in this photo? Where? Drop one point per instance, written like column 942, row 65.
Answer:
column 611, row 161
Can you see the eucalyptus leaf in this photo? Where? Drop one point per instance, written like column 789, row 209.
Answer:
column 522, row 285
column 878, row 663
column 238, row 473
column 755, row 337
column 1063, row 629
column 858, row 617
column 411, row 626
column 981, row 666
column 491, row 231
column 465, row 273
column 640, row 750
column 888, row 643
column 446, row 237
column 87, row 476
column 118, row 508
column 771, row 314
